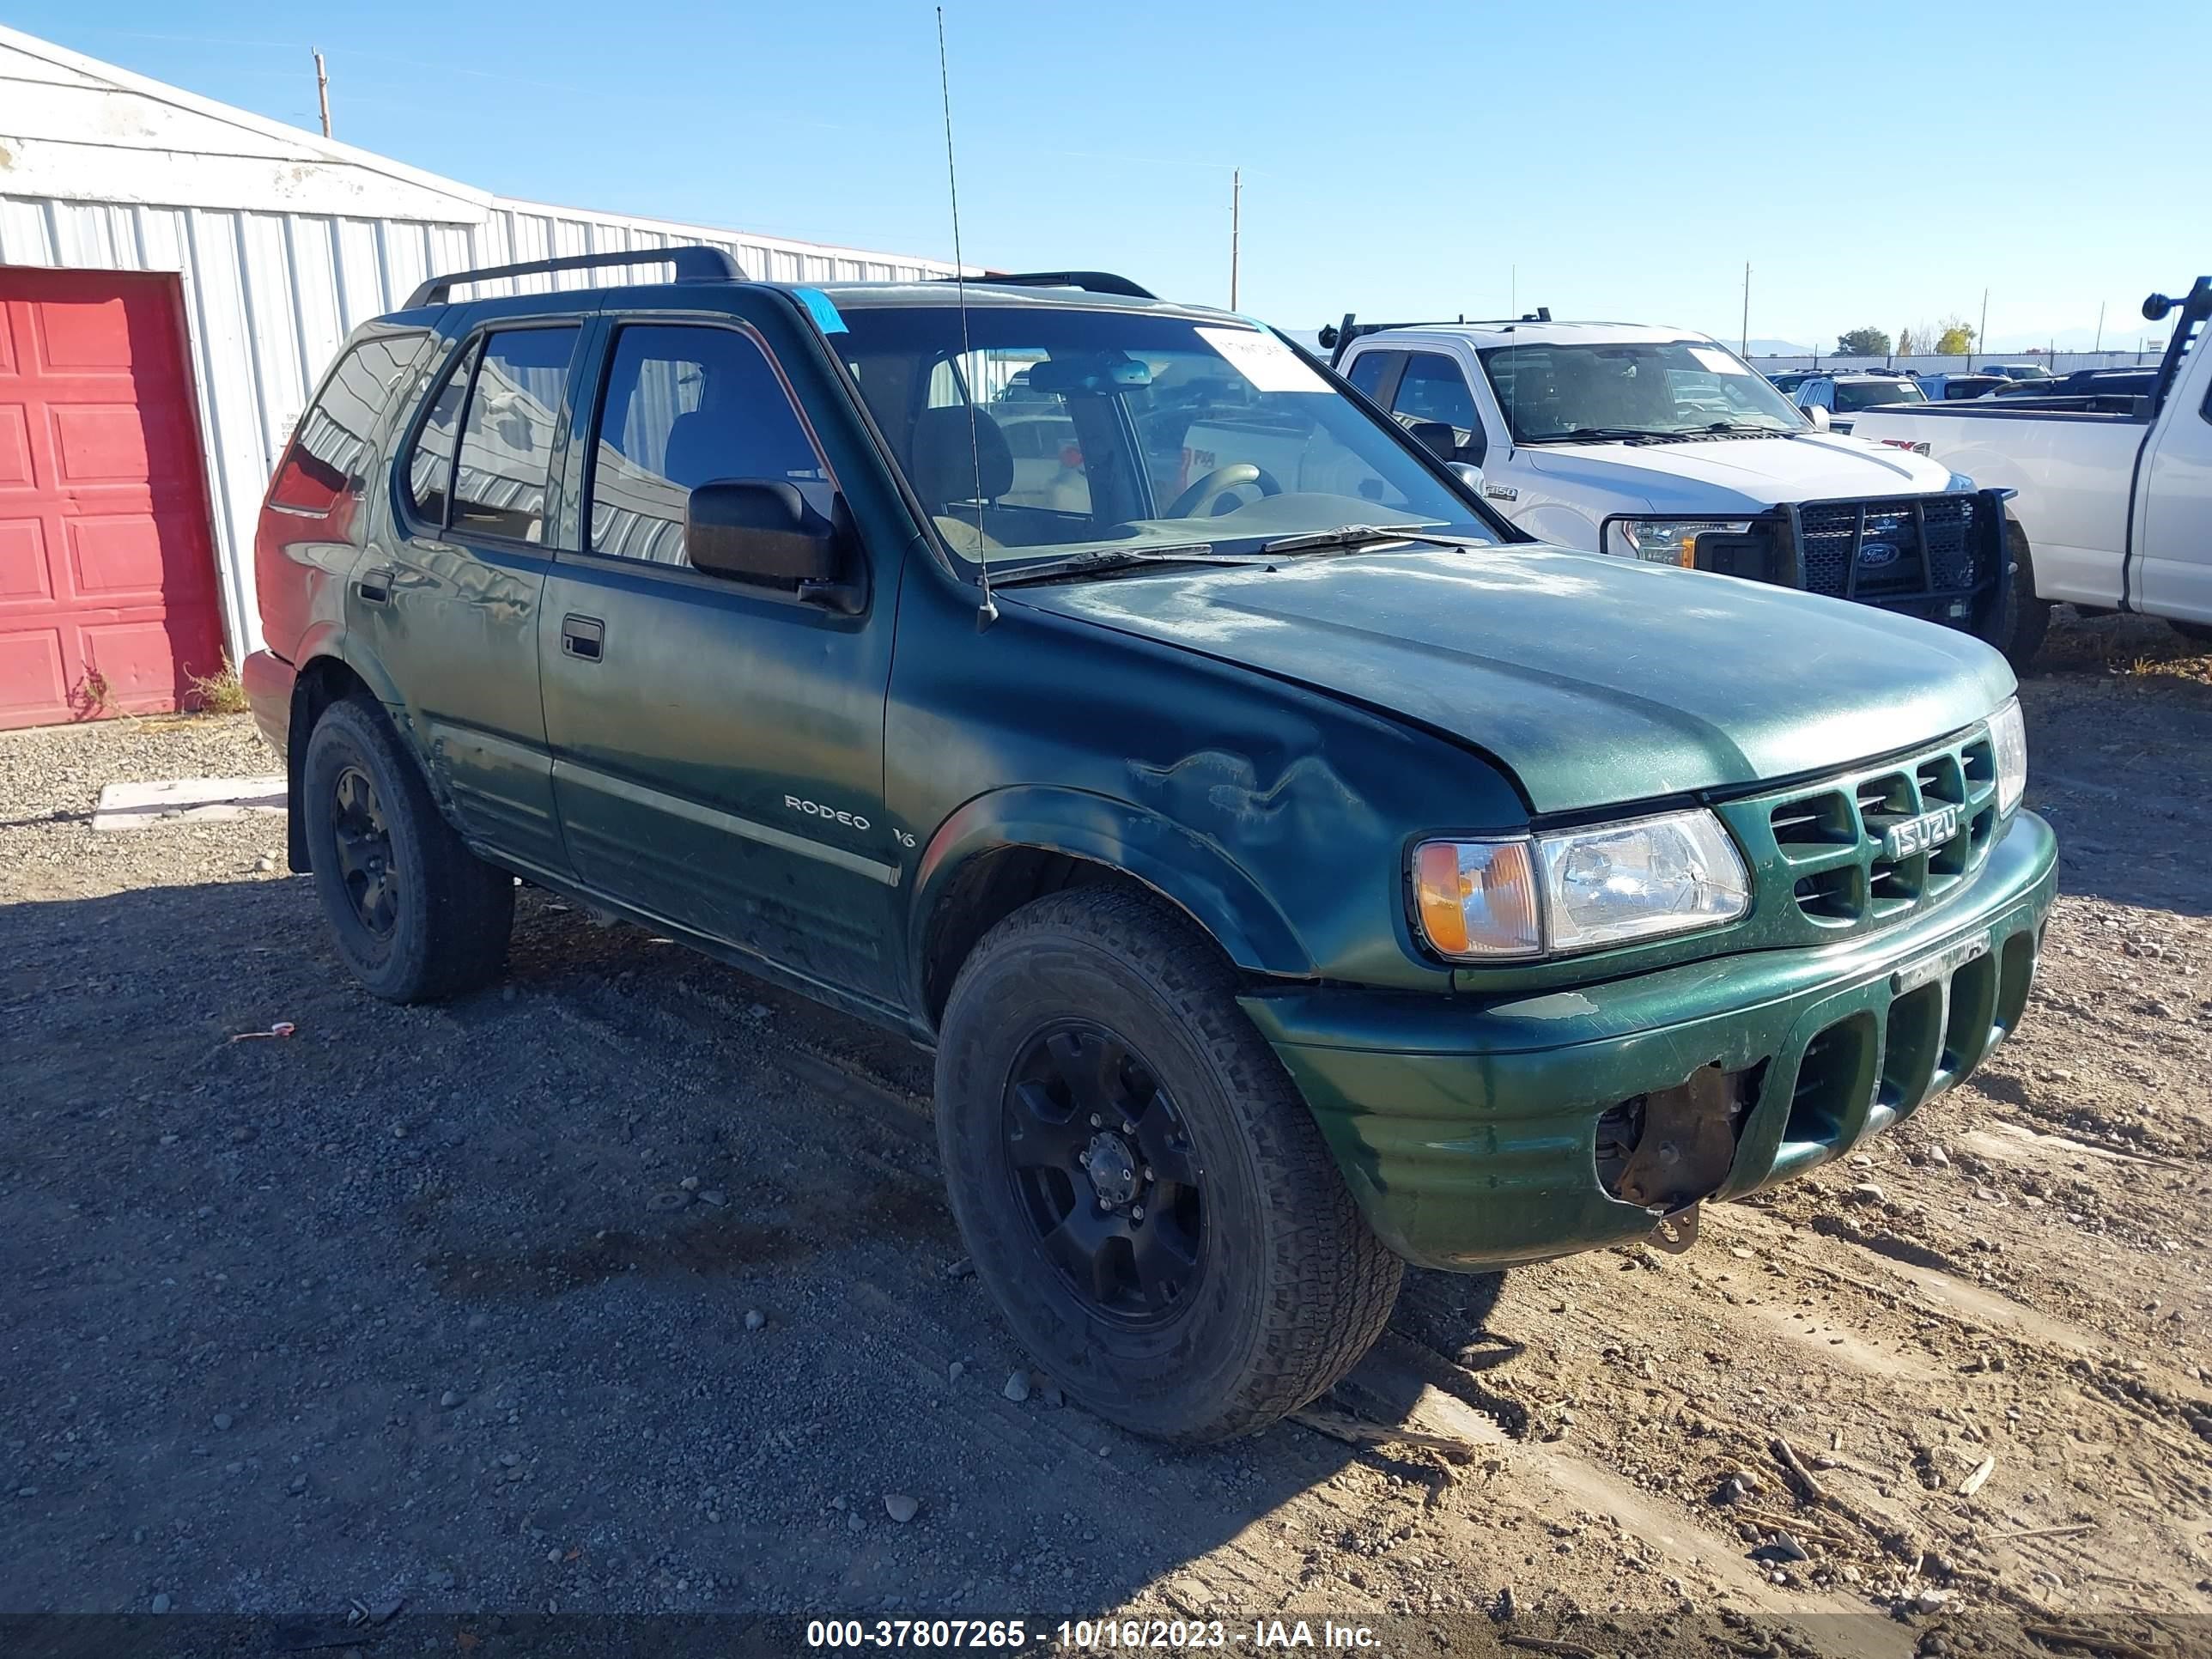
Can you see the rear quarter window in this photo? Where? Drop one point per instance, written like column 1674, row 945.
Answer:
column 326, row 458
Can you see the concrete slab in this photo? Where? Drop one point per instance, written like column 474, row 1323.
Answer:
column 135, row 805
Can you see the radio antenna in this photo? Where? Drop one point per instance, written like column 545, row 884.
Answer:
column 988, row 612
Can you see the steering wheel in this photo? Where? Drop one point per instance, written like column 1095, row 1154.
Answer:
column 1203, row 499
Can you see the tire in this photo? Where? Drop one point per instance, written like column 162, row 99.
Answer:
column 416, row 915
column 1273, row 1285
column 2031, row 616
column 2197, row 633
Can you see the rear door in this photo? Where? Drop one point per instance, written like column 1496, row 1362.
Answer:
column 447, row 601
column 717, row 745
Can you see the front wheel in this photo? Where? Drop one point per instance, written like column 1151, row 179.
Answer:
column 1138, row 1182
column 2028, row 619
column 416, row 915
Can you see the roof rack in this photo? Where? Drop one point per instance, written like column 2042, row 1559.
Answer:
column 1335, row 336
column 1090, row 282
column 694, row 263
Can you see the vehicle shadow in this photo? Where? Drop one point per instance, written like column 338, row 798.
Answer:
column 637, row 1263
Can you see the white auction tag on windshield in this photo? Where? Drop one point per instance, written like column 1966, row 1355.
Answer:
column 1263, row 360
column 1719, row 362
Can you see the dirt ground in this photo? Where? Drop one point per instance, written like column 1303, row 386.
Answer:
column 456, row 1307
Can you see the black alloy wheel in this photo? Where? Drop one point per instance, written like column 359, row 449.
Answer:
column 1103, row 1168
column 363, row 845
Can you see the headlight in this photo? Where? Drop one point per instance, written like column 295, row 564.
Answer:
column 1668, row 541
column 2008, row 737
column 1579, row 889
column 1959, row 484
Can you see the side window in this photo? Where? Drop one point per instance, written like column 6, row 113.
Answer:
column 1370, row 369
column 1433, row 389
column 430, row 462
column 685, row 406
column 507, row 440
column 323, row 462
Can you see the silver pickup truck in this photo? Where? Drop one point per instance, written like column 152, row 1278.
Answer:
column 2112, row 494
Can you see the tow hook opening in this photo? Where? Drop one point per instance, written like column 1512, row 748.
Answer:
column 1674, row 1147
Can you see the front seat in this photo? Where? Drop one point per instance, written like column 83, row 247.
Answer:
column 949, row 467
column 698, row 445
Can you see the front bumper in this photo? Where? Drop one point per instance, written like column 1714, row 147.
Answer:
column 1468, row 1127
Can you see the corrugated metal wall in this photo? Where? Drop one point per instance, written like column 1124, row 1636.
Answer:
column 269, row 296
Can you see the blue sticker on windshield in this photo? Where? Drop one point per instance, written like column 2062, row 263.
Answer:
column 818, row 305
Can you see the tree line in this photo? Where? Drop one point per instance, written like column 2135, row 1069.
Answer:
column 1952, row 338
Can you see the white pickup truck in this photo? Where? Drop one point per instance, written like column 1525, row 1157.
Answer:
column 2114, row 492
column 1663, row 445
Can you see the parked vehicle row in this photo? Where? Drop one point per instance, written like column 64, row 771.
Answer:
column 1296, row 868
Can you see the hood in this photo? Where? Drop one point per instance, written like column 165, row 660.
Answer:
column 1597, row 682
column 1748, row 475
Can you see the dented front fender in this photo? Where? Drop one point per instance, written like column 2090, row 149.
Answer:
column 1278, row 816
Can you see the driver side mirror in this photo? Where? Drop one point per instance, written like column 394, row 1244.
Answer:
column 1437, row 437
column 760, row 529
column 1468, row 474
column 1817, row 416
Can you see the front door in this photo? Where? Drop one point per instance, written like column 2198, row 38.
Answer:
column 718, row 746
column 2174, row 573
column 447, row 601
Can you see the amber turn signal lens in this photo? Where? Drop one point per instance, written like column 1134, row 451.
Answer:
column 1476, row 898
column 1444, row 915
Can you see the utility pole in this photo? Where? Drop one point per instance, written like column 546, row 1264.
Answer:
column 322, row 93
column 1982, row 337
column 1236, row 229
column 2100, row 345
column 1743, row 340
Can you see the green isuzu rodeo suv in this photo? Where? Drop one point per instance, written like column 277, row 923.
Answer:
column 1296, row 871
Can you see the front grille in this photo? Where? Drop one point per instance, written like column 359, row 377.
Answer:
column 1917, row 547
column 1827, row 847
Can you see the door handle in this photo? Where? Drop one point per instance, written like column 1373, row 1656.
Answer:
column 374, row 586
column 582, row 637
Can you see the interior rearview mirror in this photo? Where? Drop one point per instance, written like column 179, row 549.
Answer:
column 762, row 530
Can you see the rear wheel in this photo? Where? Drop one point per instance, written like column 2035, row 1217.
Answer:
column 1138, row 1182
column 414, row 914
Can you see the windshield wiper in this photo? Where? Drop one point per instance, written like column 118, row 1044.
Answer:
column 1606, row 434
column 1361, row 535
column 1115, row 558
column 1751, row 427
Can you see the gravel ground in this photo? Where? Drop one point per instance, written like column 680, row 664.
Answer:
column 627, row 1286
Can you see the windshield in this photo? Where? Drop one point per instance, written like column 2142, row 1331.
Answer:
column 1677, row 388
column 1110, row 431
column 1865, row 394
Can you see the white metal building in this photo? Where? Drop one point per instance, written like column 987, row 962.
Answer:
column 176, row 274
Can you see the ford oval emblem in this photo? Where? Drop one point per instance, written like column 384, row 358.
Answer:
column 1875, row 555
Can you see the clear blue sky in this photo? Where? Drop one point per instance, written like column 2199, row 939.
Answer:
column 1877, row 163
